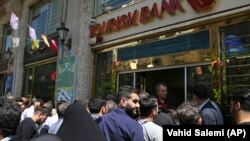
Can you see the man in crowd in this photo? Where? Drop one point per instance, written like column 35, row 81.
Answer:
column 62, row 105
column 240, row 107
column 30, row 111
column 188, row 113
column 148, row 112
column 210, row 111
column 28, row 128
column 119, row 125
column 10, row 113
column 164, row 100
column 97, row 107
column 161, row 118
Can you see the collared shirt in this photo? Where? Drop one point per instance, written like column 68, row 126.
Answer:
column 95, row 116
column 202, row 105
column 118, row 126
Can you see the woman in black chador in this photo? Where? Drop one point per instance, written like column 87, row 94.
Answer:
column 78, row 125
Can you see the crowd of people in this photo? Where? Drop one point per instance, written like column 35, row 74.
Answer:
column 131, row 115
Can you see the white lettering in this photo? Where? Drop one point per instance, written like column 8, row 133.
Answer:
column 207, row 132
column 179, row 132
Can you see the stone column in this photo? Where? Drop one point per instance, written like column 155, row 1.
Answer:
column 83, row 51
column 19, row 52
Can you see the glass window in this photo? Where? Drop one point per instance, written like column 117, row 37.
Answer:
column 28, row 81
column 194, row 41
column 7, row 79
column 2, row 85
column 126, row 79
column 44, row 87
column 236, row 39
column 236, row 46
column 7, row 37
column 5, row 44
column 104, row 6
column 45, row 17
column 104, row 81
column 39, row 82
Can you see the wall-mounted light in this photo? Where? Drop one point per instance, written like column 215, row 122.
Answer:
column 63, row 32
column 92, row 22
column 8, row 53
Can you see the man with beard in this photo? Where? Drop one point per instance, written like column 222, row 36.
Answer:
column 28, row 128
column 120, row 124
column 240, row 107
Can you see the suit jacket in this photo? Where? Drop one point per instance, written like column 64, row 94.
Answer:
column 211, row 114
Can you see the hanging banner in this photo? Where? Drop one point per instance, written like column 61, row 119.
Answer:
column 65, row 81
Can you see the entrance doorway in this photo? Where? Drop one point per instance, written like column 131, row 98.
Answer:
column 179, row 81
column 147, row 80
column 173, row 78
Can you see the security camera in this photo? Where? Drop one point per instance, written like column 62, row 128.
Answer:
column 92, row 22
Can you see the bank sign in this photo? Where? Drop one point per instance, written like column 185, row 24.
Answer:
column 152, row 14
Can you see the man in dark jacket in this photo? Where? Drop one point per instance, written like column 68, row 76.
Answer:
column 210, row 111
column 119, row 125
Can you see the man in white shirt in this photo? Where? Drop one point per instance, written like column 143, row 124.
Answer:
column 61, row 107
column 148, row 112
column 30, row 111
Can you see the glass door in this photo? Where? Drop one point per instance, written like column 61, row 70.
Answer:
column 180, row 81
column 39, row 82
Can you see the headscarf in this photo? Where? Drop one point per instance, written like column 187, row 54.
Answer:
column 78, row 125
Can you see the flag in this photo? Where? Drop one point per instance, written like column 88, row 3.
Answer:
column 53, row 76
column 15, row 42
column 14, row 21
column 45, row 40
column 32, row 33
column 35, row 45
column 53, row 46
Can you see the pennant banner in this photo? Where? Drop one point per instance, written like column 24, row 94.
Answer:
column 35, row 45
column 53, row 46
column 32, row 33
column 15, row 42
column 14, row 21
column 45, row 40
